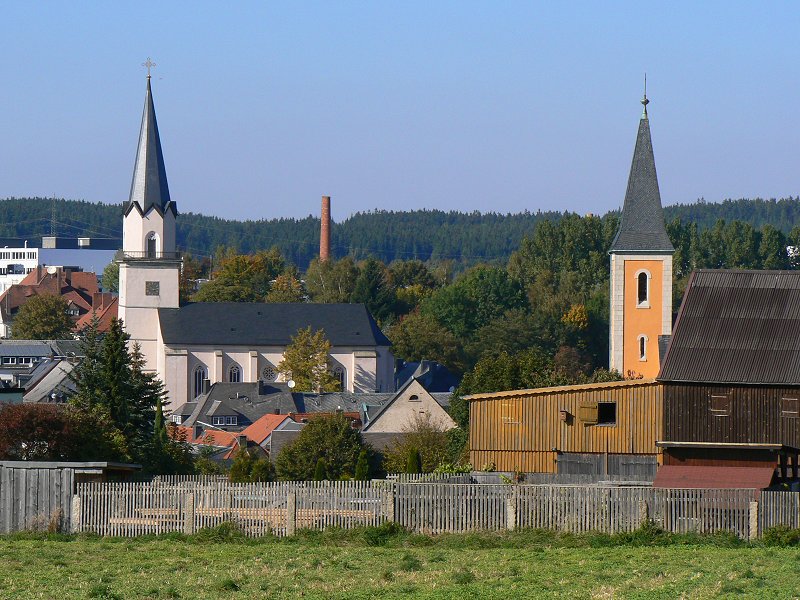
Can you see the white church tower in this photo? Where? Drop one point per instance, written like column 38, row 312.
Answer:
column 149, row 270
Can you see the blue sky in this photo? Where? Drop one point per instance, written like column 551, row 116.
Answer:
column 503, row 106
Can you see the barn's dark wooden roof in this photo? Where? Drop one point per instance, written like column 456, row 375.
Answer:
column 737, row 326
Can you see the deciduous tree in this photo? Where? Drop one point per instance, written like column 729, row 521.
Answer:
column 306, row 362
column 42, row 318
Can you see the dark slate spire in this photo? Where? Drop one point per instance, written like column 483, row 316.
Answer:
column 641, row 228
column 149, row 186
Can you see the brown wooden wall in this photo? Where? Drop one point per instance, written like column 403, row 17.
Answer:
column 522, row 430
column 755, row 414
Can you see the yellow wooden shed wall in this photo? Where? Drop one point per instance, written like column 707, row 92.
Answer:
column 522, row 430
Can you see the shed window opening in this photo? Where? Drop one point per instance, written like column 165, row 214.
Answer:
column 642, row 289
column 720, row 405
column 790, row 407
column 508, row 416
column 606, row 413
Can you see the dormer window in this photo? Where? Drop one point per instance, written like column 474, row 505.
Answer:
column 642, row 289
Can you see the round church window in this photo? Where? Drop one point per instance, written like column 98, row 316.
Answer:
column 269, row 374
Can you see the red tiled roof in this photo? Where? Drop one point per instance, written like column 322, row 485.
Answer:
column 105, row 306
column 689, row 476
column 263, row 427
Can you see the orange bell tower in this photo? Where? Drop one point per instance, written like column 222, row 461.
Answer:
column 641, row 268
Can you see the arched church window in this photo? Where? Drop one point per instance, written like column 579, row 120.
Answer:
column 642, row 347
column 339, row 373
column 268, row 373
column 234, row 374
column 200, row 375
column 642, row 288
column 152, row 245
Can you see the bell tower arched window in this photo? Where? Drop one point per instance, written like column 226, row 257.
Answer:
column 151, row 245
column 643, row 289
column 642, row 347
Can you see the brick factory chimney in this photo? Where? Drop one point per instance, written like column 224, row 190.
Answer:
column 325, row 230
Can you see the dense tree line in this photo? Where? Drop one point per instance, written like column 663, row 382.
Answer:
column 428, row 235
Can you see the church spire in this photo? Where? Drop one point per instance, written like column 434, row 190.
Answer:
column 641, row 227
column 149, row 186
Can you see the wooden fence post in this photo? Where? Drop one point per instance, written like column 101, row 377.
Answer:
column 388, row 504
column 644, row 513
column 75, row 525
column 511, row 509
column 291, row 513
column 188, row 514
column 753, row 521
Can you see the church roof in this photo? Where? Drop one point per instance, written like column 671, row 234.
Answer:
column 641, row 227
column 149, row 187
column 266, row 324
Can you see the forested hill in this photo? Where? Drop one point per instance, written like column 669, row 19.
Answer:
column 387, row 235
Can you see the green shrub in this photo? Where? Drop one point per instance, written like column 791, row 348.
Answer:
column 463, row 576
column 380, row 535
column 781, row 535
column 224, row 532
column 409, row 562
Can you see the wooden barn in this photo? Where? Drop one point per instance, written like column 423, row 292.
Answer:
column 731, row 380
column 599, row 428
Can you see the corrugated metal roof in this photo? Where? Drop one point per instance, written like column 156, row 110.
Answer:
column 706, row 477
column 737, row 326
column 562, row 388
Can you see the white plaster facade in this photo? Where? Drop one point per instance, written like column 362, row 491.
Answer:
column 15, row 264
column 410, row 405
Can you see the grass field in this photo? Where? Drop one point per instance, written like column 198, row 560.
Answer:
column 525, row 565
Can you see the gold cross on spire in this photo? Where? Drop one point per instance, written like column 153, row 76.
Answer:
column 149, row 64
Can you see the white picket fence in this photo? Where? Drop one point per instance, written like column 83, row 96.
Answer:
column 131, row 509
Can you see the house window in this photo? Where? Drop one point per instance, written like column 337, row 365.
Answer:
column 231, row 420
column 268, row 373
column 643, row 289
column 234, row 374
column 338, row 373
column 151, row 288
column 606, row 413
column 176, row 419
column 720, row 405
column 642, row 347
column 790, row 407
column 218, row 420
column 9, row 360
column 199, row 377
column 26, row 360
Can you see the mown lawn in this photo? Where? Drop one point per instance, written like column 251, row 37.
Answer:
column 537, row 566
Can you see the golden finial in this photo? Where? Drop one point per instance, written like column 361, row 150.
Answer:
column 645, row 101
column 149, row 64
